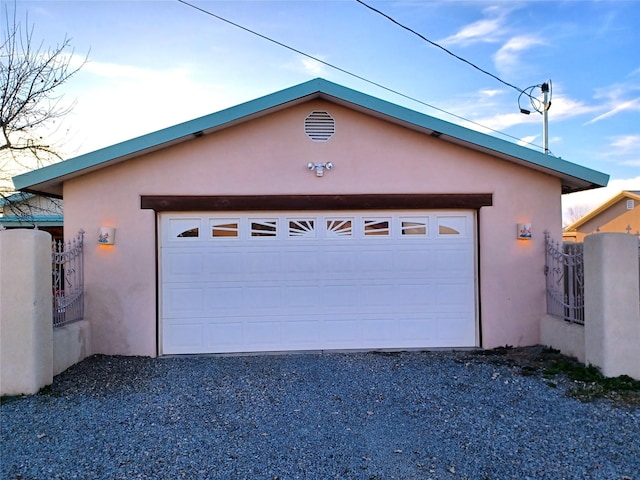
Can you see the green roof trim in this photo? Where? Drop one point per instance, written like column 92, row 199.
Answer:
column 48, row 180
column 41, row 220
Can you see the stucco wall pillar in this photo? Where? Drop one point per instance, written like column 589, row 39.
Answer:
column 612, row 309
column 26, row 330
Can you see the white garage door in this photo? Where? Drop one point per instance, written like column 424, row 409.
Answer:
column 278, row 281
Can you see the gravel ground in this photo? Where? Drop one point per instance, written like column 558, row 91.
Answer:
column 416, row 415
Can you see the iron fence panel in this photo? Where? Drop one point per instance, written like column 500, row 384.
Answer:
column 564, row 269
column 67, row 261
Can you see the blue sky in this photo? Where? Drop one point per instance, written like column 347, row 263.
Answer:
column 153, row 64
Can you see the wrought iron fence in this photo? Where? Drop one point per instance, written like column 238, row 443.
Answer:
column 68, row 280
column 564, row 269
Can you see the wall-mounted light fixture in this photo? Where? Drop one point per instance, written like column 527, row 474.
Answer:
column 524, row 231
column 107, row 236
column 319, row 167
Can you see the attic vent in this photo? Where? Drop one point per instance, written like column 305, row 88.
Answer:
column 319, row 126
column 630, row 204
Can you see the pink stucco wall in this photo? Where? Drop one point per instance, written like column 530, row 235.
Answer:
column 269, row 155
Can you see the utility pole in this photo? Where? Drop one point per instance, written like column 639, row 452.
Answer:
column 546, row 104
column 540, row 107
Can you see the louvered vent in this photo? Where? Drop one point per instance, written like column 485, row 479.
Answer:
column 319, row 126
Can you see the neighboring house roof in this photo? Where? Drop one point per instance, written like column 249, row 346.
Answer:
column 630, row 194
column 30, row 221
column 48, row 180
column 23, row 210
column 15, row 197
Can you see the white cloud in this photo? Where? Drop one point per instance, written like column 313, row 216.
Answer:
column 485, row 30
column 507, row 58
column 562, row 107
column 313, row 67
column 621, row 150
column 525, row 141
column 624, row 149
column 119, row 102
column 617, row 98
column 626, row 143
column 632, row 105
column 114, row 71
column 491, row 93
column 502, row 121
column 308, row 66
column 565, row 107
column 591, row 199
column 77, row 61
column 634, row 72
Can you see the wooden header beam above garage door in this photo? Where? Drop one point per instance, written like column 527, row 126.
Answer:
column 182, row 203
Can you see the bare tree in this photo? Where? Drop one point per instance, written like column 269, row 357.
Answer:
column 575, row 213
column 30, row 105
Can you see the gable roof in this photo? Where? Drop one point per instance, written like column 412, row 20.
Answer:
column 631, row 194
column 48, row 180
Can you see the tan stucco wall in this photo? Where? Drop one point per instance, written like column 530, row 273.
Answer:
column 71, row 345
column 26, row 344
column 611, row 306
column 269, row 155
column 567, row 337
column 614, row 219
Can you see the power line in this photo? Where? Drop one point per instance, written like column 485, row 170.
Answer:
column 519, row 90
column 371, row 82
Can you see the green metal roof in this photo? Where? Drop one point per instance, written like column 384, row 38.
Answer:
column 48, row 180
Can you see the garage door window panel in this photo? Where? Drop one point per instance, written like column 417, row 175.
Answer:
column 225, row 228
column 264, row 228
column 452, row 226
column 339, row 227
column 376, row 227
column 414, row 227
column 302, row 228
column 184, row 228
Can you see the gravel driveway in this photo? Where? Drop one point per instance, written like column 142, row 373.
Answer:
column 438, row 415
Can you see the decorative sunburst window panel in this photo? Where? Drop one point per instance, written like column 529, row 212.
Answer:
column 339, row 227
column 302, row 228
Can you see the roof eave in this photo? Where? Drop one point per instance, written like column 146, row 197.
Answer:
column 48, row 180
column 574, row 177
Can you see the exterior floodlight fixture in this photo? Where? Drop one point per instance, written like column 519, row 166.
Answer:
column 319, row 167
